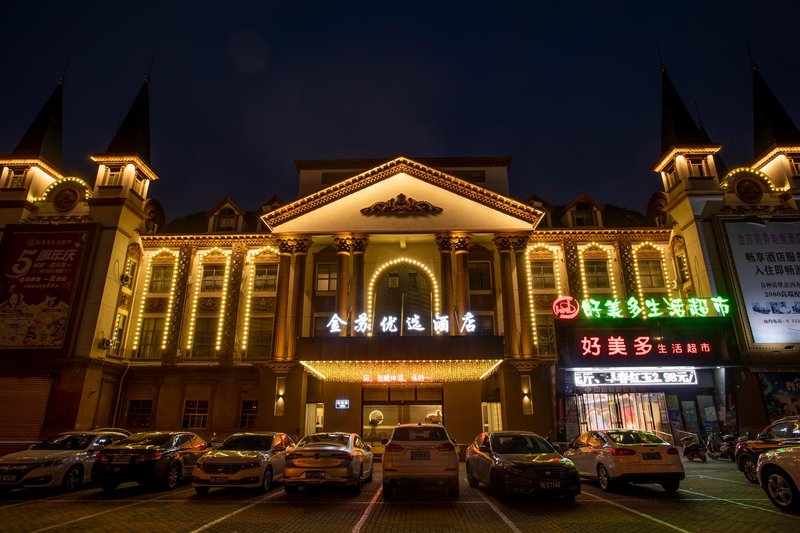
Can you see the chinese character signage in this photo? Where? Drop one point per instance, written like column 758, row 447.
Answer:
column 567, row 307
column 766, row 257
column 390, row 324
column 635, row 376
column 342, row 404
column 40, row 272
column 666, row 343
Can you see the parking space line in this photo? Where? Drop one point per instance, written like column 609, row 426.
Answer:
column 638, row 513
column 736, row 502
column 726, row 480
column 357, row 527
column 105, row 512
column 501, row 514
column 237, row 511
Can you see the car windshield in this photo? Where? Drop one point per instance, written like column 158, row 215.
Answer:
column 324, row 439
column 64, row 442
column 520, row 444
column 147, row 439
column 419, row 433
column 247, row 442
column 633, row 437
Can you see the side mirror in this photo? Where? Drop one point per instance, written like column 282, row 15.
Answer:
column 484, row 447
column 762, row 436
column 367, row 447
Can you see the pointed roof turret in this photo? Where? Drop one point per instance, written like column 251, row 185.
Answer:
column 133, row 135
column 678, row 128
column 44, row 136
column 772, row 125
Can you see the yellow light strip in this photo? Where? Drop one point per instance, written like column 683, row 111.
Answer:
column 251, row 254
column 197, row 286
column 639, row 289
column 775, row 152
column 609, row 268
column 149, row 257
column 730, row 176
column 553, row 250
column 86, row 189
column 399, row 260
column 14, row 162
column 707, row 150
column 407, row 372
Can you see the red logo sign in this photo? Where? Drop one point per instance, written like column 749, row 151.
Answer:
column 566, row 307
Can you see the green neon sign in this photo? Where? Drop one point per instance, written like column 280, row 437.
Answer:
column 655, row 307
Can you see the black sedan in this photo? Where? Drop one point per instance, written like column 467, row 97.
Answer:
column 520, row 462
column 160, row 458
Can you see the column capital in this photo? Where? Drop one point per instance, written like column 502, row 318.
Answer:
column 507, row 242
column 293, row 244
column 359, row 244
column 459, row 242
column 343, row 243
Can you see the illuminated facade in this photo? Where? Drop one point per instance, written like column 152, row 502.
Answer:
column 388, row 292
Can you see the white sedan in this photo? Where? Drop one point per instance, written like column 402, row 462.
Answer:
column 65, row 460
column 625, row 455
column 779, row 476
column 333, row 458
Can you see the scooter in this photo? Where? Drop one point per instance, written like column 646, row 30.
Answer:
column 727, row 449
column 692, row 449
column 713, row 445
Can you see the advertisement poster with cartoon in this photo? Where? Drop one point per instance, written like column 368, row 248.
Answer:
column 40, row 275
column 781, row 394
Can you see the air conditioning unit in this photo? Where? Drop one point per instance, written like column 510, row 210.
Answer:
column 125, row 280
column 104, row 344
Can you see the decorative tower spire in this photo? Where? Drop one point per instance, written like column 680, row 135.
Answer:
column 133, row 135
column 43, row 139
column 772, row 125
column 678, row 128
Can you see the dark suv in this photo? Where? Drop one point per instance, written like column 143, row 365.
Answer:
column 783, row 432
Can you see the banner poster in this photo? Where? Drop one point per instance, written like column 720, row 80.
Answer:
column 40, row 271
column 781, row 394
column 767, row 260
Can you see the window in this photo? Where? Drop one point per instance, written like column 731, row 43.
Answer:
column 226, row 220
column 794, row 162
column 584, row 214
column 265, row 277
column 326, row 277
column 484, row 325
column 259, row 340
column 113, row 176
column 119, row 332
column 195, row 414
column 139, row 413
column 480, row 276
column 651, row 275
column 16, row 178
column 160, row 278
column 543, row 275
column 683, row 269
column 247, row 416
column 596, row 274
column 213, row 276
column 151, row 338
column 394, row 280
column 546, row 337
column 697, row 167
column 205, row 333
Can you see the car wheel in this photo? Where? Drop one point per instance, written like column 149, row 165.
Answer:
column 266, row 483
column 471, row 480
column 781, row 490
column 671, row 486
column 603, row 479
column 201, row 490
column 73, row 479
column 498, row 485
column 703, row 456
column 291, row 489
column 388, row 490
column 356, row 489
column 452, row 489
column 569, row 497
column 748, row 466
column 173, row 476
column 109, row 486
column 369, row 476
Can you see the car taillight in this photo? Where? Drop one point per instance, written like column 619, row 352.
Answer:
column 343, row 455
column 672, row 451
column 152, row 456
column 446, row 447
column 393, row 447
column 101, row 457
column 622, row 451
column 292, row 456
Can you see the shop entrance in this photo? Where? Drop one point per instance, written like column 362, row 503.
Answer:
column 385, row 407
column 646, row 411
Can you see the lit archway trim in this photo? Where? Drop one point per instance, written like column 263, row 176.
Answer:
column 251, row 273
column 402, row 372
column 197, row 286
column 86, row 189
column 553, row 251
column 394, row 262
column 609, row 267
column 149, row 257
column 639, row 289
column 730, row 177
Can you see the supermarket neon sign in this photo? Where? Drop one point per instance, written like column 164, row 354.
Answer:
column 567, row 307
column 592, row 377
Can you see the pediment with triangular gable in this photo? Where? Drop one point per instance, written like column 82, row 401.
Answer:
column 403, row 196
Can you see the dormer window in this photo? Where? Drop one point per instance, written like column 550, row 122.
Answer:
column 698, row 166
column 113, row 176
column 226, row 220
column 794, row 163
column 671, row 177
column 584, row 214
column 16, row 178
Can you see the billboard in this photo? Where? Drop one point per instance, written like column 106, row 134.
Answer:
column 41, row 268
column 766, row 257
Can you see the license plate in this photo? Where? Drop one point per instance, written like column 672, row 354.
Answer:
column 219, row 480
column 550, row 484
column 651, row 455
column 121, row 459
column 315, row 475
column 8, row 477
column 420, row 455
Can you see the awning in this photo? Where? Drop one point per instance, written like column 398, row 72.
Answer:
column 409, row 371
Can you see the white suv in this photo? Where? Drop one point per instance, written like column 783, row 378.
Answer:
column 420, row 454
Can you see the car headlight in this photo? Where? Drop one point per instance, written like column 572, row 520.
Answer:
column 569, row 465
column 54, row 462
column 254, row 464
column 510, row 468
column 200, row 465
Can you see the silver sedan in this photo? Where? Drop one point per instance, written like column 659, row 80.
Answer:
column 328, row 459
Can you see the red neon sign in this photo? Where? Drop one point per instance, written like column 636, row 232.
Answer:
column 566, row 307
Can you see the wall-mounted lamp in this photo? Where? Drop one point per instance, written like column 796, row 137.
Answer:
column 280, row 391
column 525, row 386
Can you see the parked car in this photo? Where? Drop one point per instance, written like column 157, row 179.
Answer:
column 328, row 459
column 154, row 457
column 114, row 430
column 520, row 462
column 250, row 460
column 776, row 435
column 64, row 460
column 625, row 455
column 779, row 475
column 420, row 455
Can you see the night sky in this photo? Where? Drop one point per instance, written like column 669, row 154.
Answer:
column 239, row 92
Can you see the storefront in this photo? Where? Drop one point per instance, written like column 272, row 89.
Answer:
column 665, row 375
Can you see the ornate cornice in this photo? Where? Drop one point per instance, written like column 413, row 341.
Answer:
column 209, row 240
column 402, row 206
column 600, row 235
